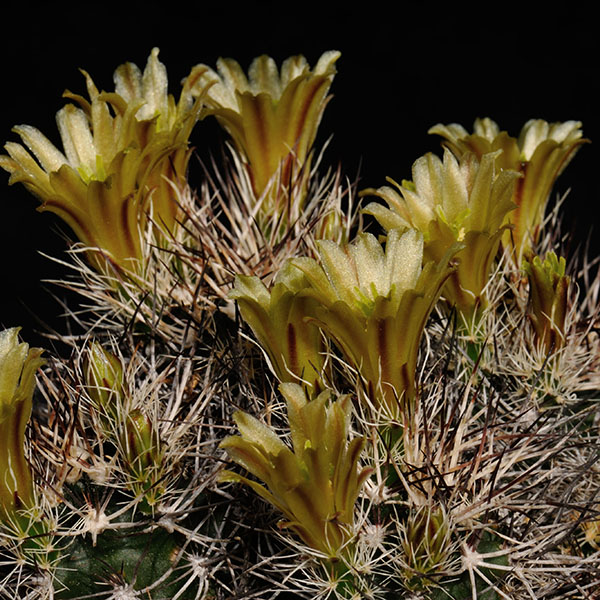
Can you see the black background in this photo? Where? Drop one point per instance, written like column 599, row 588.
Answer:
column 403, row 69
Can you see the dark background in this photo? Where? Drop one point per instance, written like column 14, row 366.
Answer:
column 403, row 69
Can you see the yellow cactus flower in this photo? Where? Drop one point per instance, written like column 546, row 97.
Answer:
column 548, row 295
column 453, row 201
column 122, row 153
column 272, row 116
column 18, row 364
column 374, row 304
column 315, row 484
column 540, row 154
column 277, row 318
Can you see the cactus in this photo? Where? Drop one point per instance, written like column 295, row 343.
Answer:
column 268, row 400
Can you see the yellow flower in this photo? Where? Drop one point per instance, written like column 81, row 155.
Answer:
column 374, row 304
column 453, row 201
column 277, row 318
column 315, row 484
column 540, row 153
column 18, row 364
column 272, row 116
column 122, row 153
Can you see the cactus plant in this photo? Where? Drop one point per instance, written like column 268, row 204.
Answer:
column 268, row 400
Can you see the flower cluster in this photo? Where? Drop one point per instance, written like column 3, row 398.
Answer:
column 415, row 412
column 540, row 153
column 454, row 201
column 372, row 302
column 123, row 153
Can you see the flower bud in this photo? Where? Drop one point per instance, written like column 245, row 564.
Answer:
column 103, row 374
column 426, row 541
column 141, row 445
column 548, row 294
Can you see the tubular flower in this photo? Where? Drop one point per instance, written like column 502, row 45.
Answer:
column 115, row 170
column 374, row 304
column 315, row 484
column 454, row 201
column 18, row 364
column 548, row 294
column 277, row 318
column 540, row 153
column 272, row 117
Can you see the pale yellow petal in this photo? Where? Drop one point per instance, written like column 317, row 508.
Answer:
column 455, row 193
column 387, row 218
column 486, row 128
column 232, row 75
column 78, row 143
column 405, row 255
column 326, row 63
column 367, row 254
column 293, row 67
column 154, row 89
column 264, row 77
column 258, row 433
column 128, row 81
column 340, row 270
column 533, row 133
column 49, row 156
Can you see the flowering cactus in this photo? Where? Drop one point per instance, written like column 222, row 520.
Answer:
column 157, row 458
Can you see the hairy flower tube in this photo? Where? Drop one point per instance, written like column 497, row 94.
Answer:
column 453, row 201
column 540, row 154
column 548, row 296
column 123, row 152
column 18, row 364
column 278, row 319
column 272, row 117
column 374, row 304
column 316, row 483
